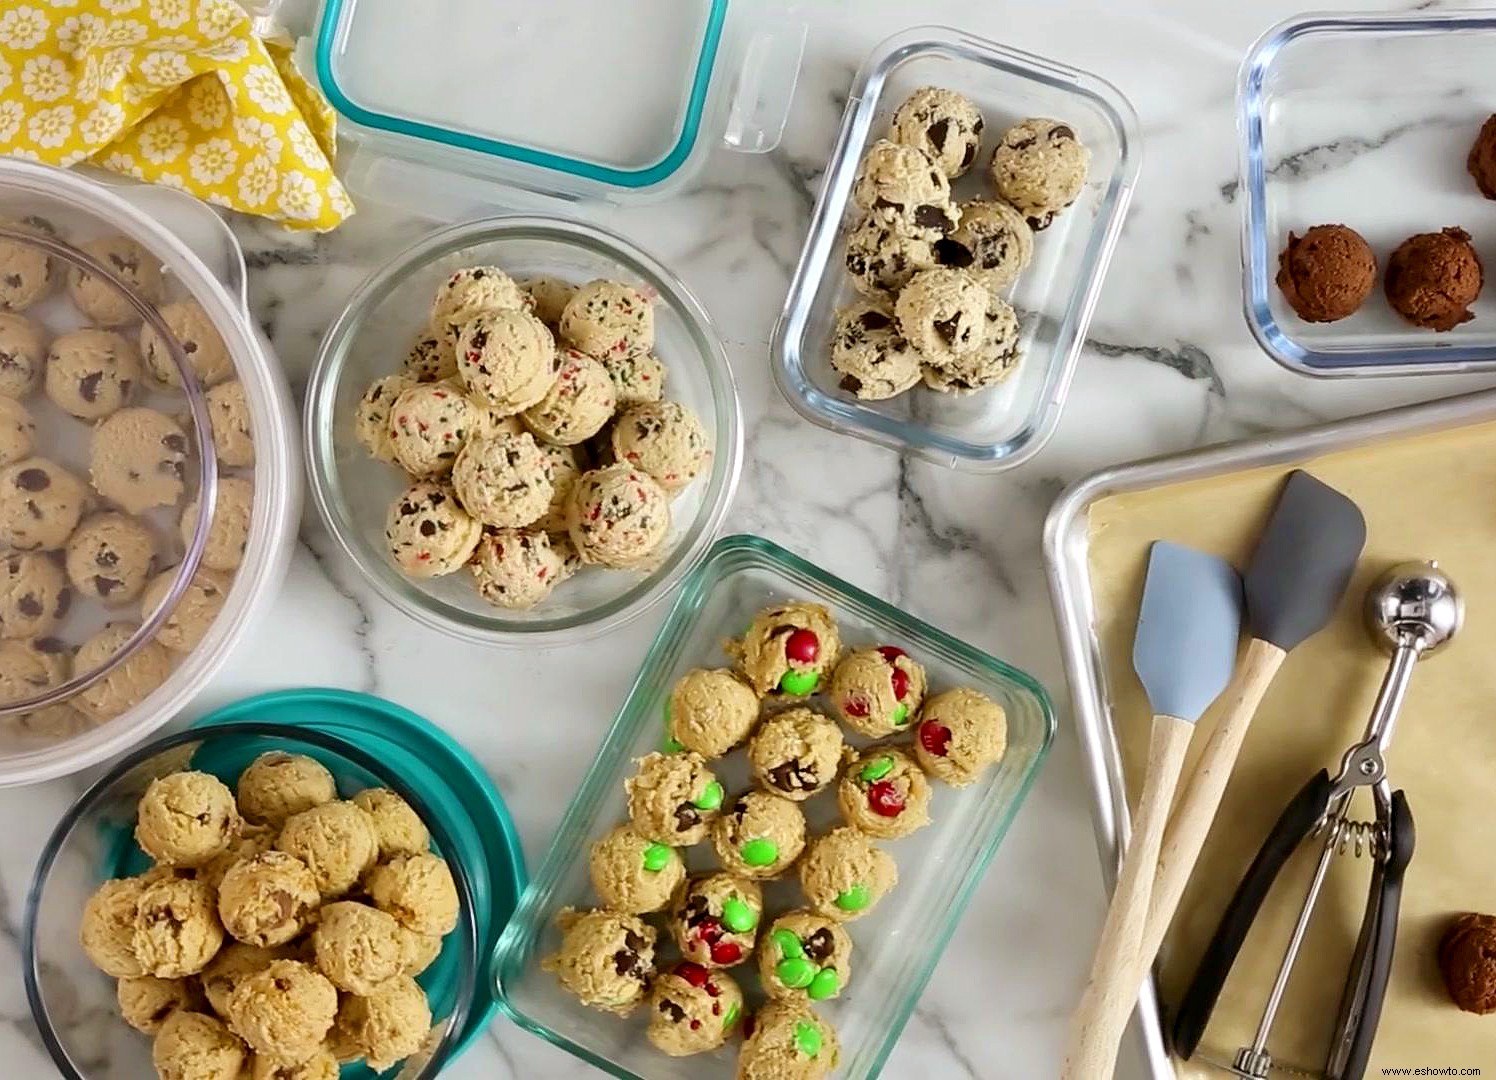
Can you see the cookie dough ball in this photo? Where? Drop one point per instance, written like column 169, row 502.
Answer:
column 388, row 1025
column 371, row 420
column 27, row 273
column 988, row 364
column 788, row 649
column 578, row 404
column 278, row 785
column 884, row 794
column 429, row 533
column 843, row 875
column 469, row 293
column 518, row 568
column 902, row 178
column 943, row 314
column 234, row 962
column 872, row 357
column 666, row 440
column 507, row 360
column 111, row 557
column 228, row 535
column 125, row 686
column 1040, row 167
column 228, row 413
column 104, row 303
column 608, row 319
column 176, row 927
column 1467, row 961
column 17, row 431
column 358, row 947
column 146, row 1002
column 503, row 480
column 195, row 612
column 632, row 874
column 715, row 919
column 429, row 424
column 673, row 798
column 23, row 348
column 961, row 733
column 1326, row 274
column 138, row 459
column 606, row 959
column 40, row 504
column 252, row 840
column 795, row 753
column 91, row 373
column 193, row 1046
column 194, row 332
column 399, row 828
column 418, row 891
column 1433, row 278
column 885, row 250
column 993, row 244
column 337, row 842
column 323, row 1065
column 186, row 818
column 617, row 516
column 806, row 957
column 877, row 691
column 711, row 711
column 267, row 899
column 418, row 951
column 565, row 470
column 107, row 930
column 550, row 296
column 1482, row 159
column 636, row 379
column 34, row 595
column 427, row 361
column 789, row 1042
column 284, row 1011
column 692, row 1010
column 759, row 835
column 946, row 125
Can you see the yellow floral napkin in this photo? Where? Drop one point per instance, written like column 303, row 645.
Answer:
column 176, row 92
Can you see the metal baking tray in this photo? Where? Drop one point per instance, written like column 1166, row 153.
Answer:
column 1066, row 554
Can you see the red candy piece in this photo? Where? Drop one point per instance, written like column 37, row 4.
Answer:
column 709, row 930
column 713, row 990
column 891, row 652
column 694, row 974
column 900, row 680
column 802, row 647
column 695, row 1025
column 935, row 738
column 726, row 952
column 855, row 705
column 885, row 799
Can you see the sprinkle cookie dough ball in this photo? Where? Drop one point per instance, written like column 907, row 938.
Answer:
column 507, row 360
column 102, row 302
column 17, row 431
column 943, row 314
column 550, row 296
column 788, row 649
column 40, row 504
column 884, row 794
column 608, row 320
column 988, row 364
column 759, row 835
column 429, row 423
column 138, row 459
column 388, row 1025
column 27, row 273
column 1039, row 167
column 715, row 919
column 267, row 899
column 418, row 891
column 127, row 685
column 692, row 1010
column 34, row 595
column 579, row 403
column 606, row 959
column 565, row 470
column 843, row 875
column 371, row 422
column 23, row 349
column 503, row 480
column 228, row 413
column 199, row 340
column 427, row 361
column 902, row 178
column 429, row 533
column 885, row 250
column 877, row 691
column 673, row 798
column 284, row 1011
column 337, row 842
column 946, row 125
column 229, row 533
column 789, row 1042
column 518, row 568
column 618, row 516
column 176, row 927
column 961, row 733
column 186, row 818
column 664, row 439
column 91, row 373
column 234, row 962
column 111, row 557
column 469, row 293
column 636, row 379
column 993, row 244
column 795, row 753
column 193, row 1046
column 358, row 947
column 806, row 957
column 278, row 785
column 252, row 840
column 872, row 357
column 632, row 874
column 190, row 621
column 400, row 829
column 711, row 711
column 107, row 929
column 146, row 1002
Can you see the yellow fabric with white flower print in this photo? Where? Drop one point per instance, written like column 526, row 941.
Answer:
column 176, row 92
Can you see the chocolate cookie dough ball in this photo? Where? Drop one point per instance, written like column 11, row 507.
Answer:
column 176, row 927
column 1433, row 278
column 946, row 125
column 17, row 431
column 550, row 297
column 636, row 379
column 146, row 1002
column 961, row 734
column 692, row 1010
column 388, row 1025
column 666, row 440
column 806, row 957
column 884, row 794
column 1467, row 961
column 503, row 480
column 795, row 753
column 1326, row 274
column 192, row 1046
column 228, row 535
column 358, row 947
column 104, row 303
column 711, row 711
column 23, row 349
column 943, row 314
column 371, row 420
column 579, row 403
column 40, row 504
column 284, row 1011
column 788, row 649
column 517, row 569
column 27, row 272
column 336, row 841
column 988, row 364
column 993, row 244
column 418, row 891
column 278, row 785
column 198, row 338
column 469, row 293
column 789, row 1042
column 673, row 798
column 228, row 413
column 138, row 459
column 1482, row 159
column 126, row 686
column 885, row 249
column 608, row 320
column 843, row 875
column 429, row 533
column 633, row 874
column 186, row 818
column 606, row 960
column 235, row 962
column 1040, row 167
column 429, row 423
column 400, row 829
column 872, row 357
column 111, row 557
column 715, row 919
column 427, row 361
column 759, row 835
column 34, row 595
column 190, row 621
column 897, row 177
column 91, row 373
column 877, row 691
column 267, row 899
column 618, row 516
column 107, row 929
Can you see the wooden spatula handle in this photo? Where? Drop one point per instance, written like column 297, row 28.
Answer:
column 1101, row 1017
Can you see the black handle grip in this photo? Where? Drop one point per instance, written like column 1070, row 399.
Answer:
column 1292, row 827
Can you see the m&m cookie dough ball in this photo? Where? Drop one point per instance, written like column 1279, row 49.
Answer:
column 469, row 293
column 674, row 798
column 844, row 875
column 943, row 313
column 399, row 828
column 107, row 930
column 632, row 874
column 898, row 177
column 518, row 568
column 371, row 420
column 429, row 423
column 336, row 841
column 194, row 1046
column 606, row 959
column 788, row 649
column 23, row 350
column 711, row 710
column 91, row 373
column 715, row 919
column 580, row 401
column 608, row 319
column 388, row 1025
column 805, row 957
column 946, row 125
column 146, row 1002
column 429, row 533
column 418, row 891
column 759, row 835
column 877, row 691
column 267, row 899
column 884, row 794
column 278, row 785
column 961, row 733
column 1040, row 167
column 795, row 753
column 507, row 360
column 193, row 330
column 993, row 244
column 549, row 296
column 692, row 1010
column 357, row 946
column 503, row 480
column 176, row 927
column 988, row 364
column 186, row 818
column 637, row 379
column 666, row 440
column 284, row 1011
column 40, row 504
column 789, row 1042
column 874, row 360
column 617, row 516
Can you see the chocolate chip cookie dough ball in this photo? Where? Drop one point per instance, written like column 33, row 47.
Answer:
column 991, row 362
column 198, row 338
column 469, row 293
column 186, row 818
column 1040, row 167
column 788, row 649
column 1482, row 159
column 267, row 899
column 228, row 535
column 371, row 420
column 993, row 244
column 1326, row 274
column 606, row 959
column 666, row 440
column 138, row 459
column 278, row 785
column 795, row 753
column 252, row 840
column 336, row 841
column 192, row 1046
column 27, row 273
column 885, row 250
column 29, row 667
column 579, row 403
column 176, row 927
column 111, row 557
column 884, row 794
column 902, row 178
column 806, row 957
column 146, row 1002
column 358, row 947
column 550, row 297
column 874, row 360
column 715, row 919
column 633, row 874
column 692, row 1010
column 103, row 302
column 400, row 829
column 759, row 835
column 618, row 516
column 34, row 595
column 877, row 691
column 125, row 686
column 429, row 423
column 711, row 711
column 1467, row 961
column 1433, row 278
column 789, row 1042
column 40, row 504
column 107, row 929
column 429, row 533
column 17, row 431
column 284, row 1011
column 637, row 379
column 608, row 320
column 943, row 314
column 228, row 413
column 673, row 798
column 418, row 891
column 517, row 569
column 507, row 360
column 91, row 373
column 503, row 480
column 234, row 962
column 23, row 350
column 190, row 621
column 961, row 734
column 388, row 1025
column 843, row 875
column 946, row 125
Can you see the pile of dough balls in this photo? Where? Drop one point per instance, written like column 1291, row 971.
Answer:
column 281, row 929
column 791, row 653
column 931, row 271
column 531, row 419
column 70, row 544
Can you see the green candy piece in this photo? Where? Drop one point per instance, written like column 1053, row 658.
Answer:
column 799, row 683
column 760, row 852
column 797, row 973
column 877, row 769
column 657, row 857
column 824, row 985
column 732, row 1016
column 710, row 797
column 807, row 1038
column 671, row 746
column 901, row 716
column 738, row 916
column 789, row 944
column 854, row 899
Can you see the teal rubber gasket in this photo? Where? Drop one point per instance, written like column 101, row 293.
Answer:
column 327, row 34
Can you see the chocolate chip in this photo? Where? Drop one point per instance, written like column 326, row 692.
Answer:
column 33, row 480
column 672, row 1010
column 284, row 903
column 626, row 964
column 428, row 528
column 971, row 152
column 107, row 558
column 1061, row 133
column 50, row 645
column 874, row 320
column 686, row 817
column 88, row 386
column 937, row 133
column 850, row 383
column 929, row 216
column 794, row 775
column 953, row 253
column 177, row 443
column 189, row 347
column 633, row 941
column 1042, row 222
column 948, row 329
column 30, row 606
column 1023, row 143
column 64, row 601
column 15, row 281
column 820, row 945
column 106, row 585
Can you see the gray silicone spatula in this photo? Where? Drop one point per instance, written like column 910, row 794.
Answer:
column 1184, row 654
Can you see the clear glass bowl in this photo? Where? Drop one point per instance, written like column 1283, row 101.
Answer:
column 898, row 945
column 1004, row 426
column 1316, row 95
column 370, row 339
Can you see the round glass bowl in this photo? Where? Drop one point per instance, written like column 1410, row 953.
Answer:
column 370, row 340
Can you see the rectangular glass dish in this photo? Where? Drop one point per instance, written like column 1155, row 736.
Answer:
column 898, row 944
column 1002, row 427
column 1364, row 120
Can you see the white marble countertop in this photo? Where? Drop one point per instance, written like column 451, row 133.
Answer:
column 1169, row 364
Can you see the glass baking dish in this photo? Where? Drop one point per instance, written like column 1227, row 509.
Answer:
column 896, row 946
column 1365, row 120
column 1054, row 297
